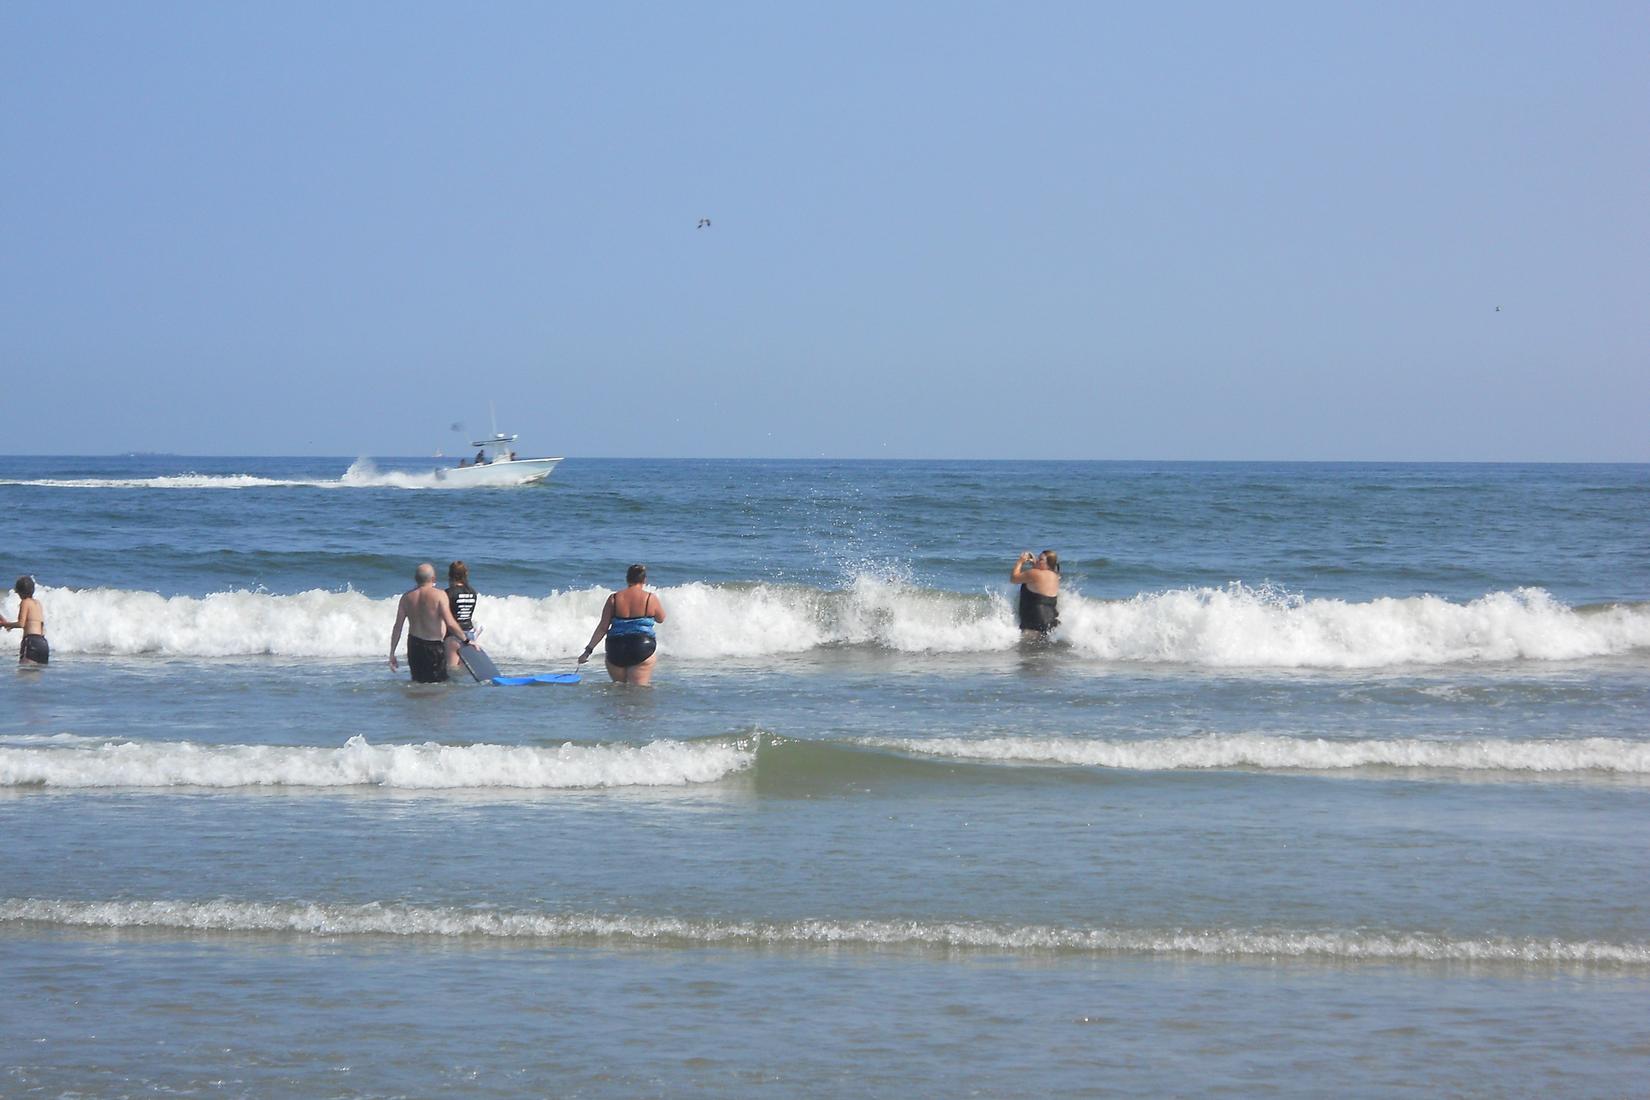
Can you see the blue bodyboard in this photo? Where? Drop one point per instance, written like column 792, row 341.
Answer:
column 541, row 678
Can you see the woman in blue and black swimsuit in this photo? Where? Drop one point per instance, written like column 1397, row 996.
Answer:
column 628, row 619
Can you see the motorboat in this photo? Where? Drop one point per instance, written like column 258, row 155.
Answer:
column 495, row 463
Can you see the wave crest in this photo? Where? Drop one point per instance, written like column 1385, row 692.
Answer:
column 1234, row 627
column 399, row 920
column 1267, row 752
column 428, row 766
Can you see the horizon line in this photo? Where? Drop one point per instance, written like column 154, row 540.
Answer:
column 866, row 458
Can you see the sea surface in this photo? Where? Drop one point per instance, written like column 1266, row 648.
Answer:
column 1333, row 778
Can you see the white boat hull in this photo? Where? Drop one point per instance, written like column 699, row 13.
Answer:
column 523, row 471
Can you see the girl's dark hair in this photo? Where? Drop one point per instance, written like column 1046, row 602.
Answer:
column 1052, row 559
column 636, row 574
column 24, row 586
column 458, row 573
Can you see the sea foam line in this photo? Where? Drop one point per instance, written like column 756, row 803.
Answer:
column 399, row 920
column 1273, row 752
column 428, row 766
column 1216, row 628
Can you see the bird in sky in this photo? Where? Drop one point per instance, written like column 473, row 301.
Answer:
column 704, row 223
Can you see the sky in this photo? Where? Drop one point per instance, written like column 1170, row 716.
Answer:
column 1381, row 231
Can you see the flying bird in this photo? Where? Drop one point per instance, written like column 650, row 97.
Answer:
column 704, row 223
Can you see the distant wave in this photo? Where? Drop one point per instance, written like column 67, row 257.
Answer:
column 357, row 763
column 666, row 931
column 362, row 474
column 780, row 763
column 1234, row 627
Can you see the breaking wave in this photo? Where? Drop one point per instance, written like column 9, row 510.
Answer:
column 665, row 931
column 777, row 764
column 1270, row 752
column 356, row 764
column 1234, row 627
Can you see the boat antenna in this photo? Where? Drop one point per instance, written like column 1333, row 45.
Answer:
column 493, row 416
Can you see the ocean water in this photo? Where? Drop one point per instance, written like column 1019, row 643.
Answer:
column 1333, row 777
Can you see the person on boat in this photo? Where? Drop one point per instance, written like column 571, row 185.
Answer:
column 31, row 620
column 428, row 617
column 627, row 622
column 461, row 598
column 1038, row 576
column 481, row 458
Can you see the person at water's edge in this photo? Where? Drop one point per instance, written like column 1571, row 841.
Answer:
column 627, row 622
column 428, row 617
column 31, row 619
column 1038, row 576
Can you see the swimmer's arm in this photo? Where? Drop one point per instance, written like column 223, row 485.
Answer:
column 1020, row 571
column 395, row 635
column 659, row 604
column 600, row 631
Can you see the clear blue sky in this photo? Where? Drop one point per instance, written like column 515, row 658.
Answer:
column 939, row 230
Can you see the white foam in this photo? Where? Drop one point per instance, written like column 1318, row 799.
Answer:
column 173, row 481
column 428, row 766
column 399, row 920
column 362, row 474
column 1246, row 627
column 1266, row 752
column 1234, row 627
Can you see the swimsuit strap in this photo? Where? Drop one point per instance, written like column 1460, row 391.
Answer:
column 647, row 598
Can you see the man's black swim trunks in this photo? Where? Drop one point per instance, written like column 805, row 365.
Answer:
column 426, row 660
column 35, row 649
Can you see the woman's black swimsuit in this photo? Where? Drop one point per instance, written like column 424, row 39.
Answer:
column 35, row 649
column 1037, row 611
column 462, row 599
column 629, row 650
column 630, row 641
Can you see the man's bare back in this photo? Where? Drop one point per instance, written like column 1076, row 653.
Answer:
column 427, row 612
column 427, row 615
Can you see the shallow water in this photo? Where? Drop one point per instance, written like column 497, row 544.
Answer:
column 1331, row 773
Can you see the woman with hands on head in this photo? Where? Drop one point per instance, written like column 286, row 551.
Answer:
column 1038, row 576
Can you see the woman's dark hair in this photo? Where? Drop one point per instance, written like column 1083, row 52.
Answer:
column 458, row 573
column 24, row 586
column 1052, row 559
column 636, row 574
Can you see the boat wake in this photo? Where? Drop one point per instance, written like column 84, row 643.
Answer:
column 363, row 473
